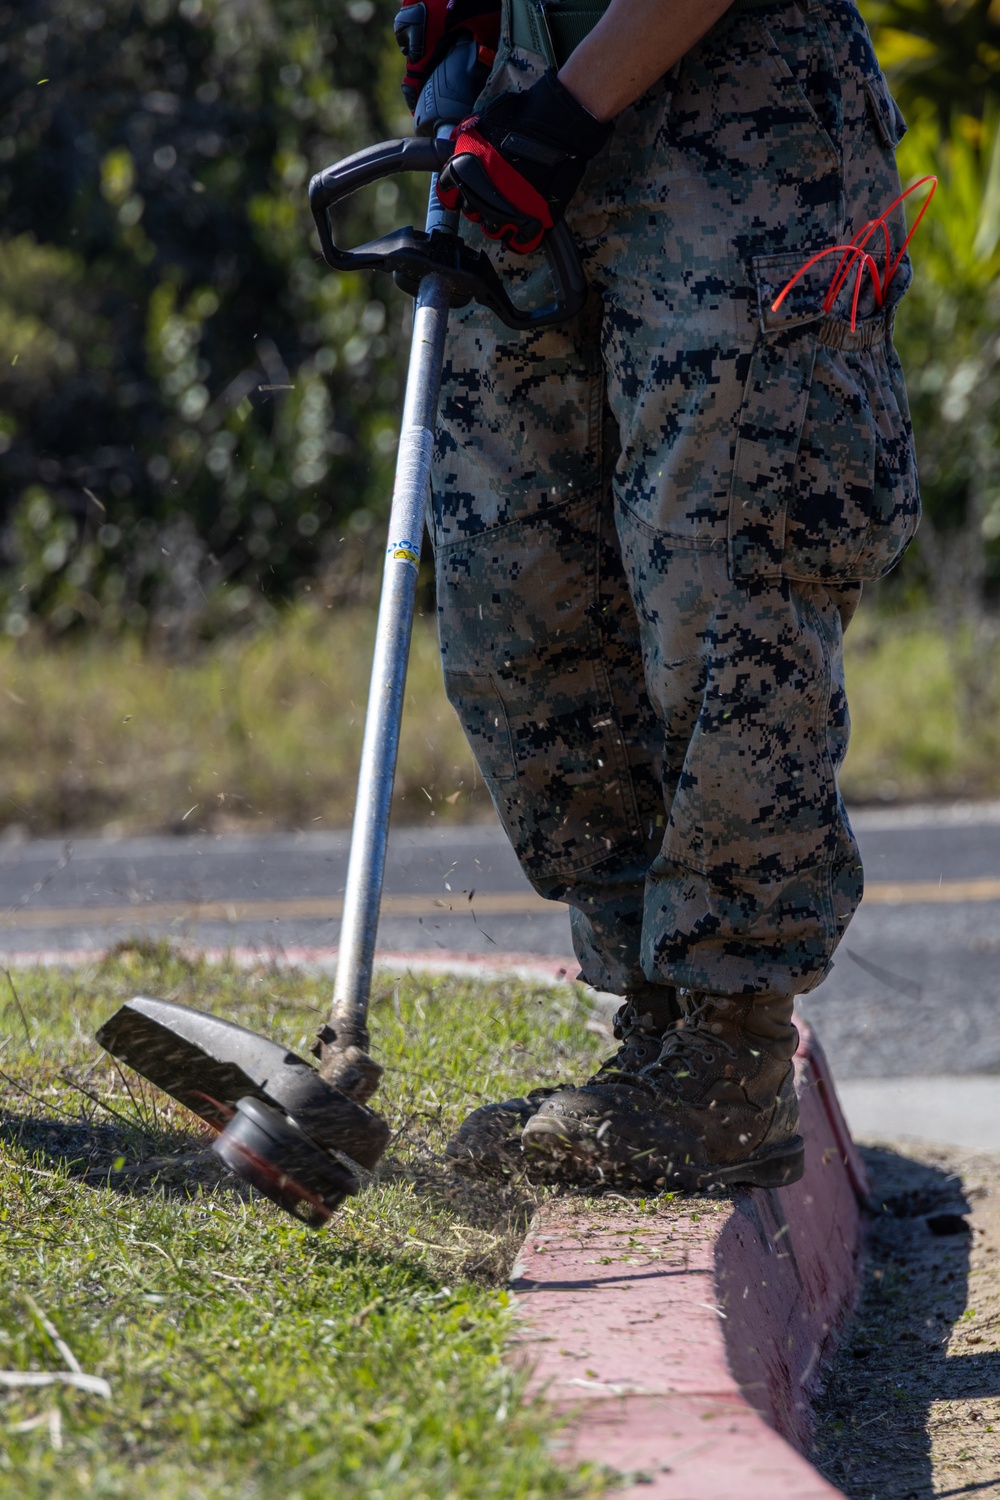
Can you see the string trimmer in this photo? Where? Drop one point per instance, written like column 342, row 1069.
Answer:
column 294, row 1130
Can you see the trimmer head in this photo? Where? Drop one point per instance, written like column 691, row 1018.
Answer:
column 283, row 1127
column 268, row 1150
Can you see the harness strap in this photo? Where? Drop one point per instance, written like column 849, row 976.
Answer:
column 553, row 28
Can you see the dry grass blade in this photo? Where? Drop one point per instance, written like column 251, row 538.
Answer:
column 242, row 1349
column 35, row 1098
column 73, row 1083
column 48, row 1327
column 141, row 1112
column 94, row 1384
column 20, row 1010
column 31, row 1425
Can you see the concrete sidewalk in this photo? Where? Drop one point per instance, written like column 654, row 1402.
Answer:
column 952, row 1109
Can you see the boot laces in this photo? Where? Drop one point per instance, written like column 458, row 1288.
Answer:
column 696, row 1042
column 633, row 1026
column 628, row 1019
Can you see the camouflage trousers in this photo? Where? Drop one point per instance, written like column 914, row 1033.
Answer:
column 651, row 525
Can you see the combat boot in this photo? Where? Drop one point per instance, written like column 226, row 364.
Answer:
column 488, row 1142
column 715, row 1109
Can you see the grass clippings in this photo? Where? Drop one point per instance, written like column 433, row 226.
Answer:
column 185, row 1340
column 912, row 1408
column 229, row 1351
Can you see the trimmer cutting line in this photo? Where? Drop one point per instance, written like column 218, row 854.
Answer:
column 293, row 1130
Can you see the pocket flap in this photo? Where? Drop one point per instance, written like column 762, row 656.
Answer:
column 804, row 302
column 886, row 113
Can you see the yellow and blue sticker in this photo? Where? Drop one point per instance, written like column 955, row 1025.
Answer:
column 404, row 551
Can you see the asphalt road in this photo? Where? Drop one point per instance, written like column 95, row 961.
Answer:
column 915, row 988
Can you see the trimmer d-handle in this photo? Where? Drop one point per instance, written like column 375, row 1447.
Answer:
column 411, row 254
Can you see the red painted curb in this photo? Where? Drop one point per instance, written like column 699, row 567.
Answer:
column 684, row 1344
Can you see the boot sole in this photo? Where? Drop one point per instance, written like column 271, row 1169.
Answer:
column 779, row 1166
column 552, row 1156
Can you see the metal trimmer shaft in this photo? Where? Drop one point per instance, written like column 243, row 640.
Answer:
column 344, row 1059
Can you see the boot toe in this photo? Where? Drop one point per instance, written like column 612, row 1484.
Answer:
column 488, row 1142
column 582, row 1111
column 581, row 1135
column 717, row 1109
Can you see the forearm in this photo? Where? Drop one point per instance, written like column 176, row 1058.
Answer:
column 634, row 43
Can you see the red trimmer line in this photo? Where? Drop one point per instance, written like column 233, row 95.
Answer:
column 856, row 254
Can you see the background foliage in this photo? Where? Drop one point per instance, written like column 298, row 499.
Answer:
column 944, row 51
column 193, row 415
column 948, row 336
column 196, row 420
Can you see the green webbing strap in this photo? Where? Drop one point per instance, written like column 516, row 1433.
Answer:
column 553, row 28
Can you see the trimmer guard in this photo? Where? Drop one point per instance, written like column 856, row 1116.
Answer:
column 208, row 1065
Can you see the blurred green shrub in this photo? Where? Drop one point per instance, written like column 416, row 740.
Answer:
column 946, row 52
column 948, row 334
column 194, row 415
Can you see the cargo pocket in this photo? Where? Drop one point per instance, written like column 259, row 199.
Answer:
column 886, row 114
column 824, row 484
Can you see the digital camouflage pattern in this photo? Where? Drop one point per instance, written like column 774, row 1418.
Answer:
column 651, row 525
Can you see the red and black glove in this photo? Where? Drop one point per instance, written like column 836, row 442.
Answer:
column 426, row 30
column 520, row 160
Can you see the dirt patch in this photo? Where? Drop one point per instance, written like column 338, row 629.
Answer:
column 912, row 1407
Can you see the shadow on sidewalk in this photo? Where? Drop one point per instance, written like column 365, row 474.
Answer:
column 873, row 1422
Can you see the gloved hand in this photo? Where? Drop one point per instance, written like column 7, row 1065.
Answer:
column 520, row 160
column 427, row 29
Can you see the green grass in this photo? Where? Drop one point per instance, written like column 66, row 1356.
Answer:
column 246, row 1355
column 265, row 731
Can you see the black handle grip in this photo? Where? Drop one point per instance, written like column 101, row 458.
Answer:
column 334, row 184
column 410, row 254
